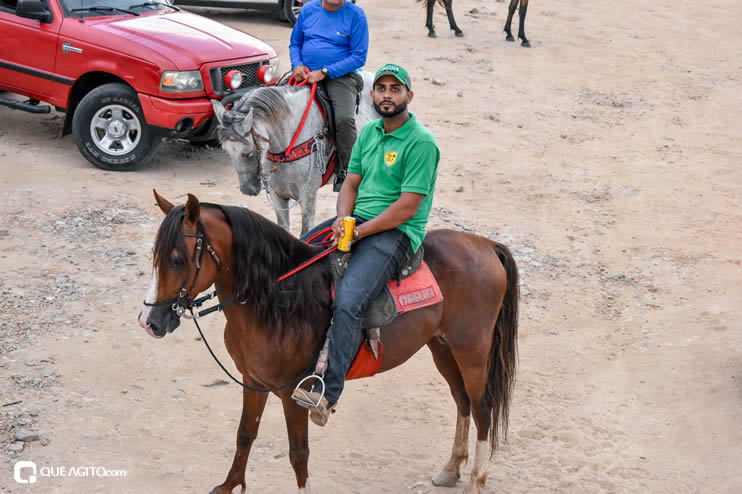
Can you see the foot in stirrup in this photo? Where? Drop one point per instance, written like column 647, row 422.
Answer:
column 338, row 184
column 319, row 409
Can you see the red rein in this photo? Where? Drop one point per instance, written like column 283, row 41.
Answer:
column 293, row 83
column 328, row 236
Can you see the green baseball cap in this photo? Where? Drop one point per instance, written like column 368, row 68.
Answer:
column 395, row 70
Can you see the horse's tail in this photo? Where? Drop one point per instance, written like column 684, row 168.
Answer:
column 504, row 352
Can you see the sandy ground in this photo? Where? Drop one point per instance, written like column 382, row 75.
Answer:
column 604, row 156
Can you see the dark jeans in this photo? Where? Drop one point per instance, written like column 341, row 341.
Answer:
column 375, row 260
column 344, row 93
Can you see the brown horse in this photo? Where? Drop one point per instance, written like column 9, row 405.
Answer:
column 521, row 26
column 275, row 330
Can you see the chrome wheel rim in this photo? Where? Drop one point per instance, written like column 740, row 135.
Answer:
column 115, row 130
column 296, row 6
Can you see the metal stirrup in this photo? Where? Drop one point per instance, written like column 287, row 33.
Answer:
column 305, row 403
column 319, row 374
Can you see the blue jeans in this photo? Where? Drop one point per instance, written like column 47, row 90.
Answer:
column 375, row 260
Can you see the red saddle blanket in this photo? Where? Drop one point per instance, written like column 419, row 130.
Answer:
column 414, row 292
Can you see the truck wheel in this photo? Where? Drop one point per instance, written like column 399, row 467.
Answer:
column 291, row 10
column 110, row 129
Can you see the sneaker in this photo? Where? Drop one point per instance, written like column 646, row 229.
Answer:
column 319, row 411
column 338, row 184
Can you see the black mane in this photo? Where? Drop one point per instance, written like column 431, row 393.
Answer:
column 261, row 252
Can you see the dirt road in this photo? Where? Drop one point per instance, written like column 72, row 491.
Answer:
column 604, row 156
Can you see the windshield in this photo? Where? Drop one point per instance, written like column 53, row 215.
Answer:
column 97, row 8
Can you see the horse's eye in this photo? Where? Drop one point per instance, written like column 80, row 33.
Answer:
column 177, row 262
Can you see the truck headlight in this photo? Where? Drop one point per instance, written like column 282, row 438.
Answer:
column 181, row 82
column 268, row 74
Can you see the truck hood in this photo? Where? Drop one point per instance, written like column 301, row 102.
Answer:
column 188, row 40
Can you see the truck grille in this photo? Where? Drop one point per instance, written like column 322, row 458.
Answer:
column 249, row 76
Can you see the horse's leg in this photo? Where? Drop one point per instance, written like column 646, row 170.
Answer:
column 511, row 11
column 281, row 205
column 451, row 20
column 522, row 26
column 253, row 405
column 308, row 208
column 448, row 368
column 429, row 21
column 297, row 425
column 472, row 357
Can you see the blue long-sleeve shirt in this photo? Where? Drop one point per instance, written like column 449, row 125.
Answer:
column 336, row 40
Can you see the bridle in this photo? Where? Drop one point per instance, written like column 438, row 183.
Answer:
column 313, row 146
column 183, row 302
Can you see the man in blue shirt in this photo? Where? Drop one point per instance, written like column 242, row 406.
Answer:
column 329, row 43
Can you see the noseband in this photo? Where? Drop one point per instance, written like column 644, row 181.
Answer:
column 183, row 302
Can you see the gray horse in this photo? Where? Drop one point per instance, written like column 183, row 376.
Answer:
column 266, row 120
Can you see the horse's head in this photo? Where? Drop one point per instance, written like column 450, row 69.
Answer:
column 235, row 137
column 180, row 269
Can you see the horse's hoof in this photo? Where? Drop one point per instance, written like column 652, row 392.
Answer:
column 432, row 34
column 459, row 34
column 444, row 478
column 526, row 44
column 509, row 37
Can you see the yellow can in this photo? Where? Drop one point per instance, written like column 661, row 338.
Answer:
column 349, row 225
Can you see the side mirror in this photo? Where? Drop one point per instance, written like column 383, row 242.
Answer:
column 34, row 9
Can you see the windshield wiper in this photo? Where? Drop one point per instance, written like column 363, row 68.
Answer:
column 104, row 8
column 153, row 4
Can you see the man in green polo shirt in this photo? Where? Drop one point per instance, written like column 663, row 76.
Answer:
column 389, row 190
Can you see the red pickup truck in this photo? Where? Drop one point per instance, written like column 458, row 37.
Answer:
column 125, row 72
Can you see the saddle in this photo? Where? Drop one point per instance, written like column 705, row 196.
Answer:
column 383, row 309
column 413, row 287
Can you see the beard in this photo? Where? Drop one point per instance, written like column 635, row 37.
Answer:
column 393, row 112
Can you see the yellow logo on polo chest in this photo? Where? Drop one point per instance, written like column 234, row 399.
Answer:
column 390, row 158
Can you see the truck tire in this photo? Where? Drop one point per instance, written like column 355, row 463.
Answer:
column 110, row 130
column 291, row 10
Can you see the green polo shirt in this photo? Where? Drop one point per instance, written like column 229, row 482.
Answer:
column 404, row 161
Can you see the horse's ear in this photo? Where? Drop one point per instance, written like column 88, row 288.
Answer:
column 245, row 125
column 192, row 209
column 164, row 204
column 219, row 111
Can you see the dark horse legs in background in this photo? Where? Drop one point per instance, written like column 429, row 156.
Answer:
column 449, row 12
column 521, row 26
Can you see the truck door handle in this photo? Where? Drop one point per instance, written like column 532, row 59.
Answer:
column 67, row 48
